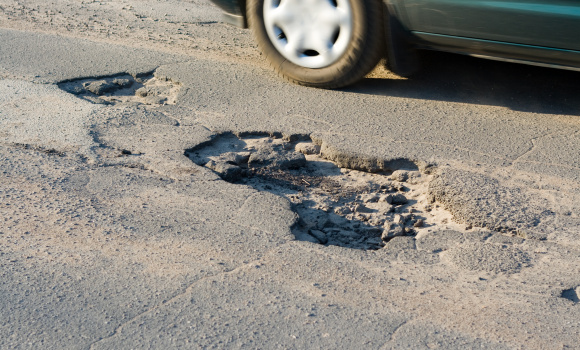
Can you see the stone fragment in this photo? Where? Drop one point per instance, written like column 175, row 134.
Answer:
column 123, row 83
column 323, row 207
column 375, row 241
column 396, row 199
column 322, row 222
column 141, row 92
column 361, row 216
column 361, row 208
column 385, row 209
column 400, row 175
column 398, row 219
column 336, row 221
column 419, row 223
column 371, row 231
column 227, row 171
column 307, row 148
column 319, row 235
column 414, row 177
column 399, row 187
column 100, row 87
column 392, row 230
column 343, row 211
column 370, row 198
column 376, row 221
column 383, row 198
column 275, row 159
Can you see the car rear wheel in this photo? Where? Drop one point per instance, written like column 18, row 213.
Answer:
column 320, row 43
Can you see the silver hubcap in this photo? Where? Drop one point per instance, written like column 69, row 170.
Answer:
column 309, row 33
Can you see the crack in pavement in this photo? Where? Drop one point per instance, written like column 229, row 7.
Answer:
column 531, row 148
column 186, row 290
column 393, row 334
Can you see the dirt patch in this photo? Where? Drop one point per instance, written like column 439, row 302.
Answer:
column 337, row 206
column 125, row 89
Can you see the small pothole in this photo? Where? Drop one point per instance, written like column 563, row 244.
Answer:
column 125, row 89
column 336, row 206
column 572, row 294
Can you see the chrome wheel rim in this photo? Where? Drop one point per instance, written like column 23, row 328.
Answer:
column 309, row 33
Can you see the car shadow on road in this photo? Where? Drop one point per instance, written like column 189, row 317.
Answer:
column 464, row 79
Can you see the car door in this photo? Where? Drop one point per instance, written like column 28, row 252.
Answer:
column 546, row 23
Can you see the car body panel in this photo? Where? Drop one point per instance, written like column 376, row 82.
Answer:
column 520, row 53
column 233, row 12
column 545, row 23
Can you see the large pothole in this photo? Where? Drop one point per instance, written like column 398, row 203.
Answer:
column 337, row 206
column 125, row 89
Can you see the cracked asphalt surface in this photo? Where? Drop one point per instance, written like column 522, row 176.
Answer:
column 112, row 238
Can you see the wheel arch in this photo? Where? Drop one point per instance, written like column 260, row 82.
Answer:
column 400, row 45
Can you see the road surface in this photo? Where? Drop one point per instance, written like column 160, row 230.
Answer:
column 162, row 188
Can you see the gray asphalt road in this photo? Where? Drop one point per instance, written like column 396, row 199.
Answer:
column 112, row 237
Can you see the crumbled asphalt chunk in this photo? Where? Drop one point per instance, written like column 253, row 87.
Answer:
column 370, row 198
column 227, row 171
column 276, row 158
column 142, row 92
column 480, row 201
column 392, row 230
column 100, row 87
column 235, row 158
column 400, row 175
column 396, row 199
column 307, row 148
column 123, row 83
column 155, row 100
column 319, row 235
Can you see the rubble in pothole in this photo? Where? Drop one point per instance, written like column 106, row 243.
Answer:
column 125, row 89
column 336, row 206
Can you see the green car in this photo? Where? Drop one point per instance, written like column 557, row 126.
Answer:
column 333, row 43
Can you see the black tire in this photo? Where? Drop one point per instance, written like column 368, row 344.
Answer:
column 365, row 49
